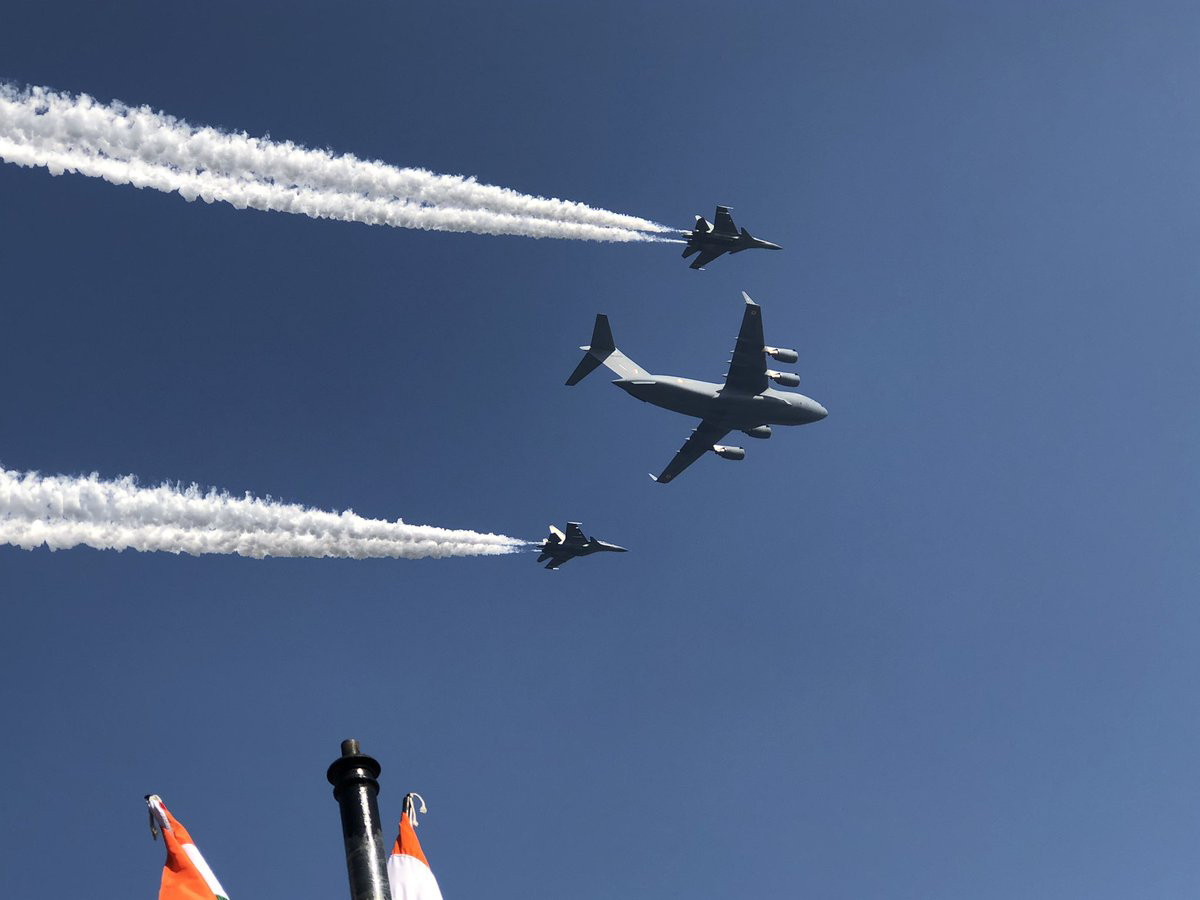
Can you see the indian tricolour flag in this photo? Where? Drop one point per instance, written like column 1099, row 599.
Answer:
column 186, row 875
column 408, row 871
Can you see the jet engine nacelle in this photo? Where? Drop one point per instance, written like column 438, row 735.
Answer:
column 760, row 431
column 787, row 379
column 782, row 354
column 729, row 452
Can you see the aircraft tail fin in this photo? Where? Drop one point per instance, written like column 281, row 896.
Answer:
column 603, row 350
column 602, row 336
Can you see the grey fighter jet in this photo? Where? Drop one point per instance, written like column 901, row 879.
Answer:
column 743, row 403
column 559, row 547
column 710, row 241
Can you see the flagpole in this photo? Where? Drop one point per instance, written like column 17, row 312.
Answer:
column 355, row 788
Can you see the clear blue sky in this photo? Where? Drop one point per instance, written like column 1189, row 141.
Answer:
column 941, row 644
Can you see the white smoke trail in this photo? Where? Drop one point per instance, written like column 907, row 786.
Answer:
column 64, row 511
column 139, row 146
column 123, row 132
column 316, row 204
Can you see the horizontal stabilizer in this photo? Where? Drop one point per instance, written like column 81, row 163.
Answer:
column 586, row 366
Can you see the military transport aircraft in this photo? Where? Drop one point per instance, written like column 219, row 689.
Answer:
column 743, row 403
column 710, row 241
column 559, row 547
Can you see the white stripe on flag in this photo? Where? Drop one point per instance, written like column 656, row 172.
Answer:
column 411, row 879
column 210, row 879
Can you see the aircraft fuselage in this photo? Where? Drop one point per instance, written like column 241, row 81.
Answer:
column 737, row 410
column 716, row 243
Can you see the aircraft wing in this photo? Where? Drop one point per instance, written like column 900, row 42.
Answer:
column 723, row 222
column 698, row 443
column 575, row 534
column 704, row 259
column 748, row 367
column 554, row 564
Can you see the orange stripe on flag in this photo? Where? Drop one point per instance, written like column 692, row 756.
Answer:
column 407, row 843
column 181, row 880
column 408, row 870
column 180, row 831
column 186, row 876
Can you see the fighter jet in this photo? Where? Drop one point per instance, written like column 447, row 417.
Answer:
column 710, row 241
column 559, row 547
column 743, row 403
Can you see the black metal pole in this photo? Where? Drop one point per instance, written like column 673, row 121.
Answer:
column 355, row 787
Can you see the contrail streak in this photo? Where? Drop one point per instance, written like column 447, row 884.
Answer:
column 316, row 204
column 139, row 133
column 66, row 511
column 138, row 146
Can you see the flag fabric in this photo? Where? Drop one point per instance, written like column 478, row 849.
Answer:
column 408, row 870
column 186, row 875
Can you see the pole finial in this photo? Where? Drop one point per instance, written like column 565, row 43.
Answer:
column 355, row 786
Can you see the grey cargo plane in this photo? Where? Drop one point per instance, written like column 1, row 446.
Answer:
column 710, row 241
column 743, row 403
column 559, row 547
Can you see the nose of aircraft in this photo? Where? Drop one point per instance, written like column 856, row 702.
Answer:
column 820, row 411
